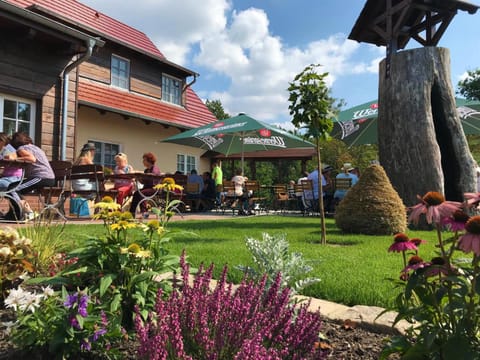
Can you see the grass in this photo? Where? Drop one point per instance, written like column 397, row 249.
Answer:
column 353, row 268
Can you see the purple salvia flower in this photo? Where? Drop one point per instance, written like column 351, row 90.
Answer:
column 98, row 333
column 71, row 300
column 82, row 305
column 74, row 322
column 85, row 345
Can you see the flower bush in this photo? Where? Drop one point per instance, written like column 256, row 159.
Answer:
column 170, row 206
column 61, row 323
column 250, row 322
column 118, row 269
column 17, row 259
column 441, row 297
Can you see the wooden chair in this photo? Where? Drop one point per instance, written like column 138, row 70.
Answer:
column 192, row 195
column 309, row 202
column 52, row 198
column 256, row 200
column 343, row 184
column 280, row 197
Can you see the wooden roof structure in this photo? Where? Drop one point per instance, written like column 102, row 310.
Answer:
column 392, row 23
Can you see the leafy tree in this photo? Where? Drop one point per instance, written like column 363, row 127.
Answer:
column 470, row 86
column 216, row 108
column 312, row 109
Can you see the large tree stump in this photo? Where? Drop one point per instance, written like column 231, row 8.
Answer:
column 422, row 146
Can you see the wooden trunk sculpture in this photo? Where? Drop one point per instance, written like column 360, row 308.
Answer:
column 422, row 146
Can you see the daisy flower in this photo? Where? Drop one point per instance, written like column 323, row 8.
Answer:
column 470, row 241
column 414, row 263
column 434, row 206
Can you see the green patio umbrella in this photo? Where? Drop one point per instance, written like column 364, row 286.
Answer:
column 237, row 135
column 358, row 125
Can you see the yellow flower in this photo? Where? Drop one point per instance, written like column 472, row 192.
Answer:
column 123, row 250
column 143, row 254
column 107, row 199
column 122, row 225
column 168, row 184
column 134, row 248
column 107, row 205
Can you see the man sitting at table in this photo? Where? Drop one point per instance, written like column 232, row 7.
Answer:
column 149, row 161
column 10, row 174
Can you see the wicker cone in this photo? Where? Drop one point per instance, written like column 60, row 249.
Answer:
column 372, row 206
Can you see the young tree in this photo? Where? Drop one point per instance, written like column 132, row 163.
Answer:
column 216, row 108
column 312, row 109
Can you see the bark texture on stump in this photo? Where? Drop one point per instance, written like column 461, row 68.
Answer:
column 422, row 146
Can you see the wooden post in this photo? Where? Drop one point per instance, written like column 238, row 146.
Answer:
column 422, row 146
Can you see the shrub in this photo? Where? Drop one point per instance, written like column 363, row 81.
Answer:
column 271, row 257
column 247, row 323
column 16, row 260
column 372, row 206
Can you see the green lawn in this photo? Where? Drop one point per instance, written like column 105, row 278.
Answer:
column 353, row 268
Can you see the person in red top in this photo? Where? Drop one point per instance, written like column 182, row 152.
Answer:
column 149, row 161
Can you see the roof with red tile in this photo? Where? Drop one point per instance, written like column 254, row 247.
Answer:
column 83, row 16
column 98, row 95
column 108, row 98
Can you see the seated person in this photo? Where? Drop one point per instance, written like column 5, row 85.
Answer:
column 79, row 205
column 238, row 182
column 314, row 176
column 11, row 174
column 345, row 174
column 123, row 186
column 194, row 178
column 38, row 172
column 209, row 192
column 149, row 161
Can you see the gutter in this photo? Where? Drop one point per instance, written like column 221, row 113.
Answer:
column 90, row 44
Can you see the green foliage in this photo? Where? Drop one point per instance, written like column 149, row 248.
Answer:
column 310, row 103
column 62, row 324
column 470, row 86
column 118, row 269
column 216, row 108
column 271, row 257
column 16, row 259
column 47, row 240
column 441, row 297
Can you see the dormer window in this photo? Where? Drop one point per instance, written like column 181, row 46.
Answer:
column 171, row 90
column 120, row 72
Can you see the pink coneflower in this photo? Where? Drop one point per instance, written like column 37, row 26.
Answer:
column 414, row 263
column 457, row 221
column 470, row 241
column 472, row 198
column 438, row 266
column 434, row 206
column 401, row 243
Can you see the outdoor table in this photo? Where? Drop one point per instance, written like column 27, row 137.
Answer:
column 139, row 178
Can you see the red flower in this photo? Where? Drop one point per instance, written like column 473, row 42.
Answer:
column 401, row 243
column 470, row 241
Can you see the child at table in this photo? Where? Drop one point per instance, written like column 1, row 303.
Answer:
column 11, row 174
column 123, row 186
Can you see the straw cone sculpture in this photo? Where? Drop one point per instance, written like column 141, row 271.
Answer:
column 372, row 206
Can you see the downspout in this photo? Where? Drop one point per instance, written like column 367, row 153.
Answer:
column 190, row 83
column 90, row 45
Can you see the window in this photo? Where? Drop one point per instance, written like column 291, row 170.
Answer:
column 105, row 153
column 185, row 163
column 171, row 90
column 17, row 114
column 120, row 71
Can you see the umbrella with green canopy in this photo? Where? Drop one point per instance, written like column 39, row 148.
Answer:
column 237, row 135
column 358, row 125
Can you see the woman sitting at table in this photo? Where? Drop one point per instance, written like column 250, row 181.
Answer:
column 123, row 186
column 238, row 182
column 38, row 172
column 10, row 173
column 149, row 161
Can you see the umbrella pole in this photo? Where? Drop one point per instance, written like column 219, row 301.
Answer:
column 243, row 169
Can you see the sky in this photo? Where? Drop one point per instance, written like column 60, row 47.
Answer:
column 247, row 52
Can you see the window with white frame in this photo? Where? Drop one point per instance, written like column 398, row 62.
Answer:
column 120, row 72
column 185, row 163
column 17, row 114
column 105, row 153
column 171, row 90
